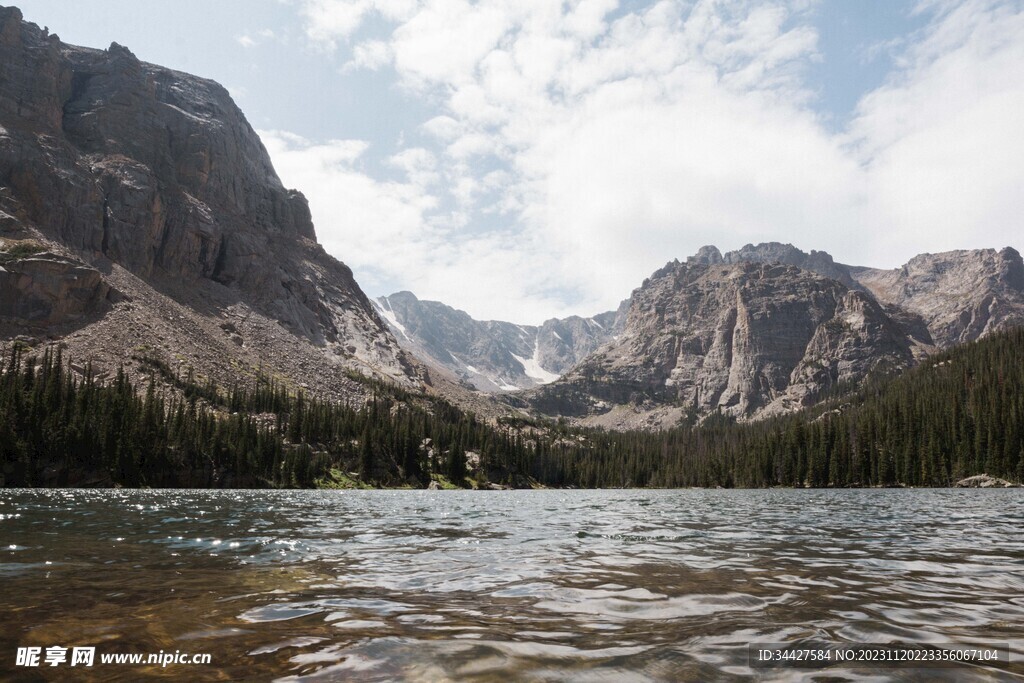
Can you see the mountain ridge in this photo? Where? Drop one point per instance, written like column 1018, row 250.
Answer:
column 748, row 336
column 684, row 365
column 493, row 355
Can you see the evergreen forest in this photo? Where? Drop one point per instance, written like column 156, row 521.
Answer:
column 958, row 414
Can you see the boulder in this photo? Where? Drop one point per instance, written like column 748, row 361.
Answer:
column 984, row 481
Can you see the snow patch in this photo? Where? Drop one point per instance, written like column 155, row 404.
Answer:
column 558, row 335
column 532, row 368
column 390, row 316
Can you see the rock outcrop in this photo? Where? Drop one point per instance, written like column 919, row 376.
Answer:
column 745, row 339
column 43, row 289
column 564, row 342
column 959, row 295
column 155, row 182
column 984, row 481
column 494, row 355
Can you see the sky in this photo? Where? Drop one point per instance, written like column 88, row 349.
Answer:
column 527, row 159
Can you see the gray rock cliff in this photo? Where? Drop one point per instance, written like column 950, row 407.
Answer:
column 154, row 181
column 745, row 339
column 40, row 288
column 820, row 262
column 959, row 295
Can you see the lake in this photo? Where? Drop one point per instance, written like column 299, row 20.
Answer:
column 551, row 585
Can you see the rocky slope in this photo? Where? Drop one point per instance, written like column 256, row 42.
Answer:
column 746, row 339
column 41, row 287
column 159, row 226
column 959, row 295
column 492, row 355
column 768, row 328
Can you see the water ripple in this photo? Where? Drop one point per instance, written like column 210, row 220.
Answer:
column 512, row 585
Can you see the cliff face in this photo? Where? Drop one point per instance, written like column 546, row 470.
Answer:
column 564, row 342
column 155, row 179
column 960, row 295
column 767, row 328
column 747, row 339
column 494, row 355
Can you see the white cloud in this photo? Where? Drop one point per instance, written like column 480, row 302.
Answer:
column 419, row 165
column 580, row 152
column 942, row 140
column 252, row 39
column 383, row 227
column 327, row 21
column 371, row 55
column 442, row 127
column 364, row 222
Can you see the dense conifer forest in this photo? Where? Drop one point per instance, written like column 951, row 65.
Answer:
column 958, row 414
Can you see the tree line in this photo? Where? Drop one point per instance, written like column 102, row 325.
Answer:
column 960, row 413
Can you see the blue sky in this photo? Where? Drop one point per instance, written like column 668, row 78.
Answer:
column 522, row 159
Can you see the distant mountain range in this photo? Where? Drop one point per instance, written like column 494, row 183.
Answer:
column 761, row 330
column 494, row 355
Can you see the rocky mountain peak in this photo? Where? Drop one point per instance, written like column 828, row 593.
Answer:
column 820, row 262
column 117, row 50
column 746, row 339
column 155, row 179
column 1011, row 269
column 708, row 254
column 494, row 355
column 960, row 295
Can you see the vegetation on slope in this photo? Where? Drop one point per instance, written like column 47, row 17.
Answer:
column 960, row 413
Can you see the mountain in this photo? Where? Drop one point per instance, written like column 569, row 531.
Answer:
column 960, row 295
column 940, row 299
column 493, row 355
column 142, row 225
column 746, row 339
column 142, row 222
column 768, row 329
